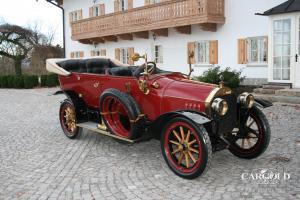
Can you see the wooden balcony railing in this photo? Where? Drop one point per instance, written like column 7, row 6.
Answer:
column 172, row 13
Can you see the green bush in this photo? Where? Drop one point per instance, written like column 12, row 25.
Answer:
column 30, row 81
column 4, row 83
column 232, row 78
column 18, row 82
column 44, row 80
column 52, row 80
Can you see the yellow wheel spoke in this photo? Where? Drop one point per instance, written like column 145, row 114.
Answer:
column 174, row 142
column 187, row 160
column 177, row 136
column 194, row 150
column 188, row 136
column 176, row 150
column 192, row 142
column 182, row 133
column 180, row 158
column 192, row 157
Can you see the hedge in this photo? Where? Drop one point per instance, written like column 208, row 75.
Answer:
column 28, row 81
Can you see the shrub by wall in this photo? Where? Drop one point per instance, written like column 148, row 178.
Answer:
column 231, row 78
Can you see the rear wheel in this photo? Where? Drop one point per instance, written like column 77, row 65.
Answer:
column 121, row 114
column 67, row 117
column 186, row 147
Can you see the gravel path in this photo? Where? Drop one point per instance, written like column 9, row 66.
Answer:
column 38, row 162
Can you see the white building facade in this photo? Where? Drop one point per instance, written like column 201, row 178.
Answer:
column 176, row 32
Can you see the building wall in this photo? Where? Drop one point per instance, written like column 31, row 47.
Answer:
column 241, row 22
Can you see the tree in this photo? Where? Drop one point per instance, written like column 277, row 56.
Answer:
column 16, row 43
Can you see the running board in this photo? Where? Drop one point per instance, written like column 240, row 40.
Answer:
column 92, row 126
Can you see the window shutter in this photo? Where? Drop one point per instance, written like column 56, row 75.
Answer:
column 103, row 52
column 130, row 4
column 117, row 54
column 72, row 54
column 191, row 53
column 130, row 54
column 102, row 9
column 80, row 14
column 116, row 5
column 213, row 52
column 242, row 51
column 81, row 54
column 147, row 2
column 91, row 12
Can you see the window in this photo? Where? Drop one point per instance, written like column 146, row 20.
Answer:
column 257, row 50
column 124, row 55
column 75, row 15
column 101, row 52
column 96, row 11
column 202, row 52
column 77, row 54
column 154, row 1
column 123, row 5
column 158, row 54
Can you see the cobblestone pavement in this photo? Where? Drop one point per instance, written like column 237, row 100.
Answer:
column 38, row 162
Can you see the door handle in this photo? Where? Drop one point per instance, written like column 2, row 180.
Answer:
column 296, row 57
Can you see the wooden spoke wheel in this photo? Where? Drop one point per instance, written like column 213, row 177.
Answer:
column 184, row 147
column 67, row 116
column 253, row 138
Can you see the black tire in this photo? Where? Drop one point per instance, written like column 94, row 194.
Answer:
column 263, row 137
column 132, row 110
column 72, row 134
column 203, row 144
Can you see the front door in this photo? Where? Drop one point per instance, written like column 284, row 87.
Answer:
column 282, row 55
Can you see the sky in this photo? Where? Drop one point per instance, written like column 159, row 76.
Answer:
column 31, row 12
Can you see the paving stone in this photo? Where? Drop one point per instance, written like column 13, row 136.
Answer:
column 38, row 162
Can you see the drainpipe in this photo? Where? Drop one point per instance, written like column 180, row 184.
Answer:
column 64, row 28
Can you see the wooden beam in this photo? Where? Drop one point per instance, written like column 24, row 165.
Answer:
column 184, row 29
column 111, row 38
column 97, row 40
column 85, row 41
column 143, row 34
column 127, row 36
column 209, row 27
column 161, row 32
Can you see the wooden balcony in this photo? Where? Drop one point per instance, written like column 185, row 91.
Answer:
column 179, row 14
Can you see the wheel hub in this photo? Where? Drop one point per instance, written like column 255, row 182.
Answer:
column 70, row 119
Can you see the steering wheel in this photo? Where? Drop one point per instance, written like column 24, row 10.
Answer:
column 140, row 70
column 152, row 68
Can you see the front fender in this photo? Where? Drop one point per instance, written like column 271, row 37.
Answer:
column 261, row 103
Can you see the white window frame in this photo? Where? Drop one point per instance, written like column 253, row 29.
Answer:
column 197, row 52
column 75, row 15
column 261, row 46
column 154, row 1
column 124, row 56
column 158, row 54
column 96, row 11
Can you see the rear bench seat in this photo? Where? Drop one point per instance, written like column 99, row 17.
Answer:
column 95, row 66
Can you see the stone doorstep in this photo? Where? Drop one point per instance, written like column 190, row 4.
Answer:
column 279, row 98
column 264, row 91
column 276, row 86
column 288, row 92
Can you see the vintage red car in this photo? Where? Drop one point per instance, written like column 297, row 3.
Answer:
column 135, row 103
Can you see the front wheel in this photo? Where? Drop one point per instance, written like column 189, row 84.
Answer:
column 253, row 137
column 186, row 147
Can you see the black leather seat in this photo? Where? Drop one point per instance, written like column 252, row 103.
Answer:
column 97, row 65
column 73, row 65
column 121, row 71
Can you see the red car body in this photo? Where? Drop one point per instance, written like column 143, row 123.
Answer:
column 174, row 92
